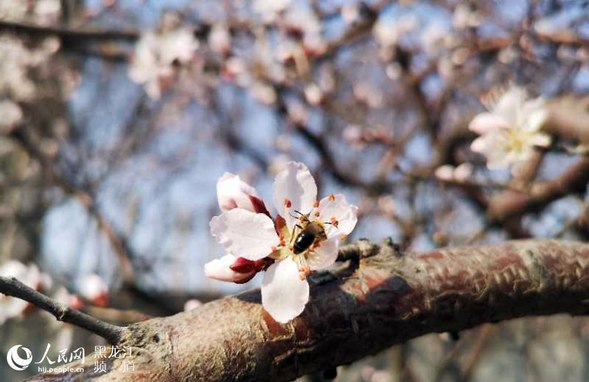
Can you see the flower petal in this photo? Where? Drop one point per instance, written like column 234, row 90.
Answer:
column 510, row 104
column 220, row 269
column 324, row 255
column 244, row 233
column 294, row 189
column 232, row 192
column 284, row 294
column 484, row 123
column 335, row 209
column 535, row 120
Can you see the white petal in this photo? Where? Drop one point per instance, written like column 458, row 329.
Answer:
column 484, row 123
column 335, row 207
column 445, row 172
column 218, row 269
column 244, row 233
column 284, row 294
column 232, row 192
column 294, row 186
column 323, row 256
column 535, row 120
column 542, row 140
column 510, row 104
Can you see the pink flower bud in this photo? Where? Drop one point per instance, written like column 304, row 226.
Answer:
column 232, row 192
column 222, row 269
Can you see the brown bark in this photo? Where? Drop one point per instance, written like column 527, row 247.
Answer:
column 387, row 298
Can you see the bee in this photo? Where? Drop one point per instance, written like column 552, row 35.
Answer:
column 310, row 233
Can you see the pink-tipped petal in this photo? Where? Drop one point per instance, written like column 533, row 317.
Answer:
column 220, row 269
column 284, row 294
column 294, row 189
column 244, row 233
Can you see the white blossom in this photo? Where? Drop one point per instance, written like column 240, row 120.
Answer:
column 155, row 56
column 258, row 238
column 94, row 289
column 269, row 9
column 29, row 275
column 10, row 115
column 510, row 130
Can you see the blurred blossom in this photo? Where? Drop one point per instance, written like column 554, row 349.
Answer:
column 352, row 12
column 388, row 32
column 445, row 172
column 11, row 115
column 63, row 296
column 353, row 136
column 368, row 94
column 192, row 304
column 94, row 289
column 156, row 54
column 277, row 164
column 220, row 39
column 13, row 9
column 463, row 172
column 465, row 17
column 269, row 9
column 434, row 38
column 511, row 129
column 42, row 12
column 303, row 21
column 386, row 204
column 27, row 274
column 15, row 62
column 313, row 94
column 263, row 93
column 47, row 11
column 450, row 173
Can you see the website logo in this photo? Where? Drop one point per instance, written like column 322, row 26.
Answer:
column 14, row 359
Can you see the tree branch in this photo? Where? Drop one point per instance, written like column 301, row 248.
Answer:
column 12, row 287
column 389, row 298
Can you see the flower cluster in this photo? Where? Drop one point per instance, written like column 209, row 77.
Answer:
column 303, row 237
column 158, row 54
column 510, row 130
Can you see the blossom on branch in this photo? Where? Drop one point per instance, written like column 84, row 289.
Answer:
column 303, row 237
column 158, row 54
column 511, row 130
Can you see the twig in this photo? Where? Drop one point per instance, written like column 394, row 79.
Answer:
column 10, row 286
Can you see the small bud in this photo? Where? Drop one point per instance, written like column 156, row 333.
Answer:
column 231, row 269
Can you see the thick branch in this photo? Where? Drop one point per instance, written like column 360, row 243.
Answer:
column 389, row 298
column 12, row 287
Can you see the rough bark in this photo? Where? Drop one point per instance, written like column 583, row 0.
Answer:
column 383, row 298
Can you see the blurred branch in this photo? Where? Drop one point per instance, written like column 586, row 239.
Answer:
column 118, row 243
column 12, row 287
column 68, row 34
column 513, row 203
column 389, row 298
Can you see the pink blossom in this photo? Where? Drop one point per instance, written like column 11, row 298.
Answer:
column 276, row 245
